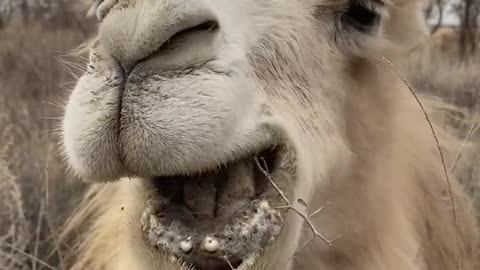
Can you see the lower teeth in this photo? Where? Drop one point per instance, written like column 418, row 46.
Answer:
column 242, row 235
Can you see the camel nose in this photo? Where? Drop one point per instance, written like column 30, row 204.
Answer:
column 134, row 33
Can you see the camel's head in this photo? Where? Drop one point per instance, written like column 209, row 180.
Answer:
column 210, row 102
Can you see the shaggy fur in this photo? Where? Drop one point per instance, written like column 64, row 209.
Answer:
column 296, row 73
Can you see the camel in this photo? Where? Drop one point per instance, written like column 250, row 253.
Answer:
column 259, row 135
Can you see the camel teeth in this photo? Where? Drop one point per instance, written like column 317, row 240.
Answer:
column 186, row 245
column 210, row 244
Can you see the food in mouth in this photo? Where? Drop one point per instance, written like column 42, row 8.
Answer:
column 214, row 220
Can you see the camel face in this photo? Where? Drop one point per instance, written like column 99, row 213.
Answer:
column 221, row 113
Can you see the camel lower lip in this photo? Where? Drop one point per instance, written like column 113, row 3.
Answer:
column 212, row 221
column 228, row 242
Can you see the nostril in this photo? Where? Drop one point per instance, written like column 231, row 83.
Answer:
column 185, row 35
column 206, row 26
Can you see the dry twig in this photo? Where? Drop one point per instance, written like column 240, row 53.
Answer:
column 442, row 158
column 289, row 206
column 229, row 263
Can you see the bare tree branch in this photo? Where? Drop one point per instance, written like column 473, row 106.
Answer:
column 469, row 13
column 437, row 26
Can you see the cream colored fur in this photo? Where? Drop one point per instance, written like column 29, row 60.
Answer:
column 282, row 71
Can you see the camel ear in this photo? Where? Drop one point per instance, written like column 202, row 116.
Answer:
column 406, row 26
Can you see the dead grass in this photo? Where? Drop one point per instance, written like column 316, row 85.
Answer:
column 36, row 195
column 14, row 229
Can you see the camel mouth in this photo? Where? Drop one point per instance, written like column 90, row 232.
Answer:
column 219, row 219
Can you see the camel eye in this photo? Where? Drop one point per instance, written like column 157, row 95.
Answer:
column 360, row 17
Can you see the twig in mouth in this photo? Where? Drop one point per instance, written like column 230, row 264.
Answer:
column 229, row 263
column 262, row 165
column 319, row 210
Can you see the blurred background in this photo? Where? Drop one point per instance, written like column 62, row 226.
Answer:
column 37, row 71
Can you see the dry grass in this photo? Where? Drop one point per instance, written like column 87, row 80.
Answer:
column 14, row 229
column 36, row 195
column 35, row 192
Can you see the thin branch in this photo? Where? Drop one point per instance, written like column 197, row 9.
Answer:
column 442, row 158
column 440, row 17
column 319, row 210
column 289, row 205
column 229, row 263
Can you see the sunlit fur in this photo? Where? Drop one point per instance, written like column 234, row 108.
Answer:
column 361, row 141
